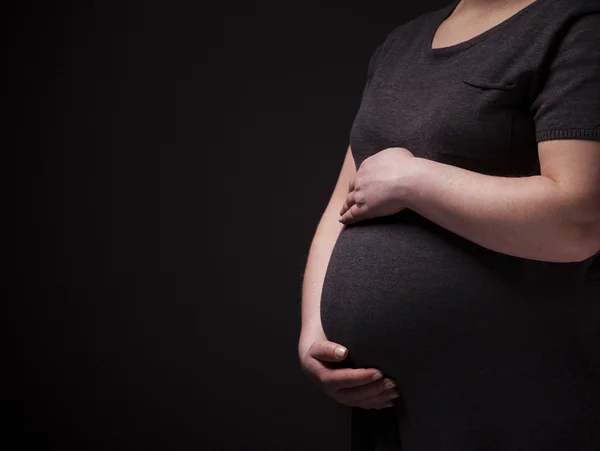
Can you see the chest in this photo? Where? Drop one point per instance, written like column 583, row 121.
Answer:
column 469, row 110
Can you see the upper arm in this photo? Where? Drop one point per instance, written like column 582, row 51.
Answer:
column 566, row 112
column 574, row 164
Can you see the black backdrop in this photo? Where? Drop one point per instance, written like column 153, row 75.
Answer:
column 165, row 167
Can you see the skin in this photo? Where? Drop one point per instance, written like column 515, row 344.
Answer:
column 350, row 386
column 556, row 215
column 553, row 217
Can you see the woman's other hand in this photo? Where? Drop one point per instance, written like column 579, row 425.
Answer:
column 349, row 386
column 380, row 185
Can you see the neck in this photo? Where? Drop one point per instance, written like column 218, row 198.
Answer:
column 476, row 5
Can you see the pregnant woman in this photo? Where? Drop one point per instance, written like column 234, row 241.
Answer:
column 464, row 266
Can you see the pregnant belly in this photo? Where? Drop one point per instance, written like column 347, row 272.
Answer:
column 403, row 294
column 400, row 289
column 462, row 341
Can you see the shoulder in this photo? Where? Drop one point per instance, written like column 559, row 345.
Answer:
column 564, row 10
column 586, row 5
column 574, row 17
column 409, row 30
column 558, row 24
column 417, row 23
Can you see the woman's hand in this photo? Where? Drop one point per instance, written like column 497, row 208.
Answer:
column 379, row 186
column 349, row 386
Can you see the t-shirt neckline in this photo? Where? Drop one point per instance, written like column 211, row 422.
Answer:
column 444, row 13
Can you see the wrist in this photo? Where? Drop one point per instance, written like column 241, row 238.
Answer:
column 310, row 333
column 410, row 190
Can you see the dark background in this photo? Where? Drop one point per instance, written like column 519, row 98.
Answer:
column 165, row 167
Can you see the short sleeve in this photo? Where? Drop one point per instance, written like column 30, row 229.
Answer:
column 567, row 105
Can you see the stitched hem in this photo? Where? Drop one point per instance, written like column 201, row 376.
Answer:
column 568, row 133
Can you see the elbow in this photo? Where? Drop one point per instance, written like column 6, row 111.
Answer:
column 588, row 241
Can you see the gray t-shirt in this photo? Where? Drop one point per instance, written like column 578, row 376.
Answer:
column 490, row 351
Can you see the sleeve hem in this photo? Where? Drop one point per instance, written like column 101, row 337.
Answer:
column 568, row 133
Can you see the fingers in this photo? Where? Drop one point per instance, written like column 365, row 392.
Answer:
column 349, row 198
column 356, row 392
column 323, row 351
column 348, row 202
column 380, row 401
column 352, row 215
column 375, row 395
column 361, row 387
column 331, row 378
column 327, row 351
column 354, row 386
column 348, row 378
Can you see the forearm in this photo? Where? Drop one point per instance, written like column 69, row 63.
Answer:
column 319, row 254
column 528, row 217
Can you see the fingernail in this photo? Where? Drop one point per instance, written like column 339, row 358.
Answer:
column 377, row 376
column 389, row 384
column 340, row 351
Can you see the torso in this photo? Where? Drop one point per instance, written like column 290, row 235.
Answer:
column 486, row 348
